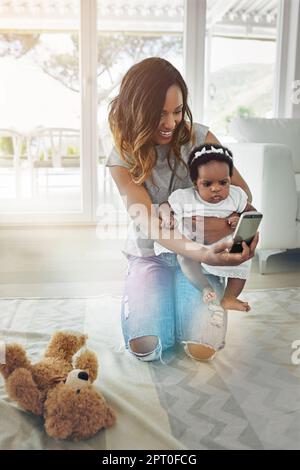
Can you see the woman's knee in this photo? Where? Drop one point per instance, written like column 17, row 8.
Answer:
column 144, row 344
column 199, row 352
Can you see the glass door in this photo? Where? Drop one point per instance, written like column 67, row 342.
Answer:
column 128, row 32
column 41, row 164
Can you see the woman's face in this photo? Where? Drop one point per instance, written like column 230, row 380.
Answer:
column 170, row 117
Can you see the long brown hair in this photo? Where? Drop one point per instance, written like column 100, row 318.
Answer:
column 135, row 114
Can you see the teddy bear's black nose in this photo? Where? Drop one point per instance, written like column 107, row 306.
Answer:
column 83, row 375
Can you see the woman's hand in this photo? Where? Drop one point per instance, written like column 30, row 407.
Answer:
column 166, row 216
column 219, row 254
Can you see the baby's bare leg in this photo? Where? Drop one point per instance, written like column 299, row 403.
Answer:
column 193, row 271
column 233, row 289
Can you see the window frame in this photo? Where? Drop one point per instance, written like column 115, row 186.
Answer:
column 88, row 133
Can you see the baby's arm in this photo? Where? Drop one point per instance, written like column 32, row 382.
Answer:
column 193, row 272
column 234, row 218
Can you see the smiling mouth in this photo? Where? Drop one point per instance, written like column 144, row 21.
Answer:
column 166, row 135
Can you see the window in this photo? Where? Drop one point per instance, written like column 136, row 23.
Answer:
column 240, row 61
column 54, row 135
column 127, row 34
column 40, row 164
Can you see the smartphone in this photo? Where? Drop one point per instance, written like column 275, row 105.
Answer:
column 245, row 230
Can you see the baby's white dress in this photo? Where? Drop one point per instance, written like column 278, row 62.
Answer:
column 187, row 203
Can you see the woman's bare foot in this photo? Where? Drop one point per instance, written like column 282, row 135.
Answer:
column 209, row 295
column 232, row 303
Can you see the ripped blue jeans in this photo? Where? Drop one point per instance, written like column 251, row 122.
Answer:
column 159, row 301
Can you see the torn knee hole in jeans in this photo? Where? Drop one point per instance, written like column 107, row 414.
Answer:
column 208, row 346
column 152, row 355
column 143, row 345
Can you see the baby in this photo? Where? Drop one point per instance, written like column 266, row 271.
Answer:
column 210, row 168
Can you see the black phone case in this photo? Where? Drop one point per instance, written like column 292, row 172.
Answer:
column 238, row 248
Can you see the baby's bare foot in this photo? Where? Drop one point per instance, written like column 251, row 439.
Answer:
column 232, row 303
column 209, row 295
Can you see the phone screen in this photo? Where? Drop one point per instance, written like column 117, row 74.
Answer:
column 246, row 230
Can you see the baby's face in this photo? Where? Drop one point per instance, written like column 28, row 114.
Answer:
column 213, row 181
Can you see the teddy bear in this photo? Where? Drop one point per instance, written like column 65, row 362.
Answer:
column 52, row 388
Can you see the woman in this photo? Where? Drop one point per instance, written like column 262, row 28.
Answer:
column 153, row 132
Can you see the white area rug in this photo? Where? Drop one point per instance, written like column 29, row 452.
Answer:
column 247, row 398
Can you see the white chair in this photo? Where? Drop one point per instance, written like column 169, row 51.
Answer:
column 11, row 155
column 52, row 148
column 268, row 157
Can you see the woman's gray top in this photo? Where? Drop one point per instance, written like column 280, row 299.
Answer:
column 137, row 243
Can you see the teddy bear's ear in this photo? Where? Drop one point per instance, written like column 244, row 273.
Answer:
column 88, row 361
column 15, row 357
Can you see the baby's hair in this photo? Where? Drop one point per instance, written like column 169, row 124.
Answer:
column 207, row 153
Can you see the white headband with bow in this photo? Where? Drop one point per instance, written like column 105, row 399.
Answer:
column 211, row 150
